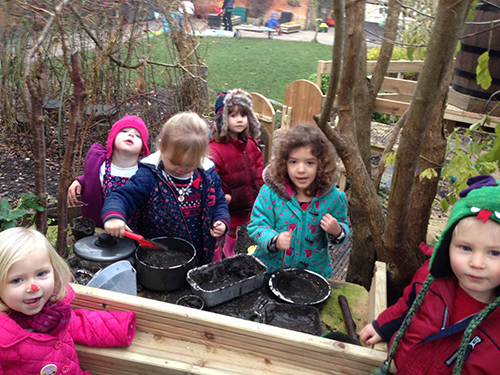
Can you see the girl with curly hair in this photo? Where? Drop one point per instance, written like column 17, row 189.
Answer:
column 299, row 210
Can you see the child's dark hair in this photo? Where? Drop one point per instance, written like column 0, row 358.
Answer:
column 312, row 137
column 243, row 136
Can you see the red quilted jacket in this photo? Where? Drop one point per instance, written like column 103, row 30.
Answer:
column 23, row 352
column 240, row 167
column 430, row 345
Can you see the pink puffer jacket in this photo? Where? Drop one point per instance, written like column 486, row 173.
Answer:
column 23, row 352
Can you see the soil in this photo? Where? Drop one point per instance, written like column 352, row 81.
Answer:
column 192, row 301
column 165, row 258
column 300, row 287
column 304, row 319
column 228, row 272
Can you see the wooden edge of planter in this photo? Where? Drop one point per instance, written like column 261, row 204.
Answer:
column 178, row 340
column 377, row 301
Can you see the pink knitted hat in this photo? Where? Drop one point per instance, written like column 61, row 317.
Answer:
column 128, row 122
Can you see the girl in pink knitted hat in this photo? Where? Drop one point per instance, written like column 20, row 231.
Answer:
column 107, row 168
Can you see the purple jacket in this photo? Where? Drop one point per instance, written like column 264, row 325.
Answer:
column 25, row 352
column 91, row 185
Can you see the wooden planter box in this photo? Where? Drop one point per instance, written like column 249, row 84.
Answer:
column 173, row 339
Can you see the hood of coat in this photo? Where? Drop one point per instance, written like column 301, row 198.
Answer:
column 229, row 99
column 482, row 200
column 284, row 191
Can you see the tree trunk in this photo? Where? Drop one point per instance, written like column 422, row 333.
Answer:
column 433, row 155
column 447, row 27
column 37, row 86
column 65, row 176
column 363, row 256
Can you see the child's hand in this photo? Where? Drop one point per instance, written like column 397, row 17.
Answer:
column 218, row 229
column 228, row 198
column 74, row 189
column 284, row 240
column 369, row 336
column 116, row 227
column 330, row 225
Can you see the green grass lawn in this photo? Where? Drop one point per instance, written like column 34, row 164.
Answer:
column 266, row 66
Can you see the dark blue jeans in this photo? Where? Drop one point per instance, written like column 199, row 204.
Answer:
column 228, row 24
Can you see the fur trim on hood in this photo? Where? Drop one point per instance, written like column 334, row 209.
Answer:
column 284, row 191
column 231, row 98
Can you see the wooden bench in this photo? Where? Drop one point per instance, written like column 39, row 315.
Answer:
column 397, row 93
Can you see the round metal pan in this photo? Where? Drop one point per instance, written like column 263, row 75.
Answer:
column 300, row 286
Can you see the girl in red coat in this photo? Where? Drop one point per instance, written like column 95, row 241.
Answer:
column 238, row 160
column 38, row 328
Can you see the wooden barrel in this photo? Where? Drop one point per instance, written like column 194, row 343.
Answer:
column 475, row 43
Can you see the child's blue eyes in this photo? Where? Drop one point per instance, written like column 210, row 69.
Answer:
column 41, row 274
column 466, row 248
column 495, row 253
column 16, row 281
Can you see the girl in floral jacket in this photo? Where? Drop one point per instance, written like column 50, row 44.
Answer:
column 299, row 211
column 178, row 189
column 38, row 328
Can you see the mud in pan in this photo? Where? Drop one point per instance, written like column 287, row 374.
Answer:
column 224, row 280
column 300, row 286
column 298, row 318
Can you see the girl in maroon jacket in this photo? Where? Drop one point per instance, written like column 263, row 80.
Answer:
column 238, row 160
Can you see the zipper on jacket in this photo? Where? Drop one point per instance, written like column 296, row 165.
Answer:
column 445, row 317
column 470, row 346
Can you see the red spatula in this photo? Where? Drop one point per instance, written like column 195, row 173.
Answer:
column 145, row 244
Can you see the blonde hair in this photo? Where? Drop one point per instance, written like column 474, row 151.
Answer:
column 16, row 244
column 467, row 222
column 184, row 135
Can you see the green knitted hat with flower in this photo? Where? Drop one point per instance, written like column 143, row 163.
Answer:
column 481, row 199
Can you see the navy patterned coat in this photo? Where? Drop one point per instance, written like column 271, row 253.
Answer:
column 162, row 214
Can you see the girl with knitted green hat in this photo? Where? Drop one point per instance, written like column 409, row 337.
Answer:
column 447, row 321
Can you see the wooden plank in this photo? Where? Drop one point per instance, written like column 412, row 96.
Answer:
column 401, row 66
column 471, row 104
column 400, row 86
column 305, row 98
column 267, row 117
column 178, row 340
column 377, row 301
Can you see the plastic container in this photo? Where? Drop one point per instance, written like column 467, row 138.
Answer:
column 242, row 12
column 227, row 279
column 118, row 277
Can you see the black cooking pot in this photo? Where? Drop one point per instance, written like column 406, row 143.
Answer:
column 165, row 270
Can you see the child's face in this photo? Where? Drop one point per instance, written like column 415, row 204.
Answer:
column 237, row 122
column 30, row 283
column 302, row 167
column 129, row 141
column 184, row 170
column 475, row 259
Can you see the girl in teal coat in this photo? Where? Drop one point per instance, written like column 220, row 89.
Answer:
column 299, row 210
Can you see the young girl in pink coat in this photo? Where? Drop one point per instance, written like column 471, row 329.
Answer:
column 238, row 160
column 38, row 328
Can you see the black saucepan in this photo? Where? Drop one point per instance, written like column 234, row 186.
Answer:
column 165, row 270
